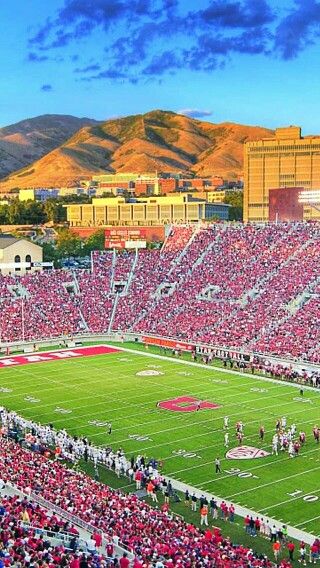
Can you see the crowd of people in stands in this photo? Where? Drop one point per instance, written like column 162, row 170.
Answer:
column 248, row 287
column 254, row 288
column 155, row 537
column 243, row 285
column 30, row 537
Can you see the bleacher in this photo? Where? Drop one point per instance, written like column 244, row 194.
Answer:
column 234, row 286
column 151, row 535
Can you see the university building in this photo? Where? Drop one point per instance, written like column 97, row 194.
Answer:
column 286, row 161
column 116, row 211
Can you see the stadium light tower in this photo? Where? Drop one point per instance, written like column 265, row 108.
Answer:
column 310, row 197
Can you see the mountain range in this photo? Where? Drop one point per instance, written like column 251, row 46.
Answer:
column 57, row 150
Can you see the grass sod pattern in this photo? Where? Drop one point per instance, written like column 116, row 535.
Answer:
column 107, row 388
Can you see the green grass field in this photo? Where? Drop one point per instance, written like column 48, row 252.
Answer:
column 106, row 388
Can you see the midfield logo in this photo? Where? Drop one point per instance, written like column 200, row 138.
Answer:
column 149, row 373
column 186, row 404
column 246, row 453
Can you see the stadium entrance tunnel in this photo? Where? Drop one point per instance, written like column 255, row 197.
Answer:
column 187, row 404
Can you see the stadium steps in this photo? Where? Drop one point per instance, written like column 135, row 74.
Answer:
column 256, row 291
column 293, row 306
column 297, row 303
column 85, row 529
column 158, row 296
column 215, row 242
column 84, row 323
column 113, row 266
column 132, row 271
column 113, row 313
column 18, row 291
column 76, row 283
column 184, row 250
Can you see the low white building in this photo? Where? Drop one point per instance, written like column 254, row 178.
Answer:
column 19, row 256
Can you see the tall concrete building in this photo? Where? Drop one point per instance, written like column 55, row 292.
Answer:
column 287, row 160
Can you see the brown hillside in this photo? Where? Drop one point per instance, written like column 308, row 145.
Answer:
column 158, row 140
column 26, row 141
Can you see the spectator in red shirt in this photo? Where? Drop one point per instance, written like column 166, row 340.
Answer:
column 124, row 561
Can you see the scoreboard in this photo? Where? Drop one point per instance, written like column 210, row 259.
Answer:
column 132, row 237
column 125, row 237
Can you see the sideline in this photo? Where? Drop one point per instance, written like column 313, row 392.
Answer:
column 217, row 369
column 293, row 532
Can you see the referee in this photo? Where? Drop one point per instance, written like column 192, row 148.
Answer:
column 217, row 463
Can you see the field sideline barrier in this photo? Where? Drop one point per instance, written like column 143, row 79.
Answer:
column 57, row 537
column 163, row 341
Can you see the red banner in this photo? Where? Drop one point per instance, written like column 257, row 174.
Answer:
column 170, row 343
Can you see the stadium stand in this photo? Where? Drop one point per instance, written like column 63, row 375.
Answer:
column 152, row 535
column 31, row 535
column 249, row 287
column 252, row 287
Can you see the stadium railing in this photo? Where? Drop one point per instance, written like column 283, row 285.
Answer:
column 120, row 548
column 76, row 521
column 56, row 537
column 118, row 336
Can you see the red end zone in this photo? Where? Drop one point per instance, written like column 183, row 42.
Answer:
column 57, row 355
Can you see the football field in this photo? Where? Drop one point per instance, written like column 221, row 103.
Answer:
column 172, row 411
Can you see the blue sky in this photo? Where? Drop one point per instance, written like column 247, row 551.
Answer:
column 248, row 61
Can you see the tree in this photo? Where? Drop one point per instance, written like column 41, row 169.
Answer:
column 55, row 211
column 34, row 213
column 4, row 215
column 50, row 254
column 68, row 244
column 235, row 199
column 94, row 242
column 16, row 213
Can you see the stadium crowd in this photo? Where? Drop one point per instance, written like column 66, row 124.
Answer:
column 24, row 540
column 248, row 287
column 157, row 538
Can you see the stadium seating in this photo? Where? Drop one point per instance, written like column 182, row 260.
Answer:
column 254, row 288
column 29, row 536
column 94, row 299
column 149, row 533
column 250, row 287
column 254, row 274
column 178, row 238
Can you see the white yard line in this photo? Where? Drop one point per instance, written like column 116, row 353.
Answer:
column 193, row 436
column 79, row 384
column 266, row 464
column 294, row 532
column 300, row 496
column 218, row 369
column 109, row 399
column 308, row 521
column 116, row 397
column 273, row 482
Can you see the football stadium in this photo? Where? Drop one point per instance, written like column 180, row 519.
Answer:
column 161, row 408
